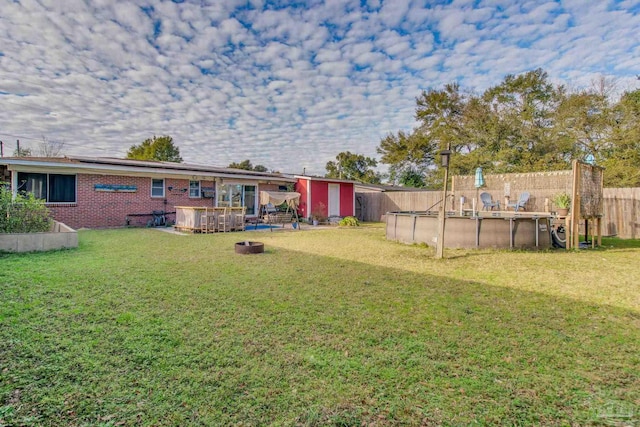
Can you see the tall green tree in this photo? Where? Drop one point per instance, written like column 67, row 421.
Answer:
column 157, row 148
column 584, row 126
column 412, row 178
column 523, row 124
column 441, row 109
column 246, row 165
column 524, row 107
column 416, row 154
column 407, row 154
column 441, row 114
column 352, row 166
column 622, row 158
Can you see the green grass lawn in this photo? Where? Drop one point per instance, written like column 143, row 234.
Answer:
column 327, row 327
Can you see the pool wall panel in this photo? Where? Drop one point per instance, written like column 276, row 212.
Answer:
column 460, row 232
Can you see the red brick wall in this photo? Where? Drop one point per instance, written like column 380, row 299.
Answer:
column 100, row 209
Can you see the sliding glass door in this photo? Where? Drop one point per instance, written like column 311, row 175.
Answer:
column 250, row 199
column 238, row 195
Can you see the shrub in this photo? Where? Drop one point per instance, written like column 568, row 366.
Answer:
column 24, row 214
column 349, row 221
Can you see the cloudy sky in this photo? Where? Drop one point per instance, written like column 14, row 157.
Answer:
column 286, row 84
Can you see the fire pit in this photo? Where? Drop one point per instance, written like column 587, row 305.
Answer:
column 249, row 247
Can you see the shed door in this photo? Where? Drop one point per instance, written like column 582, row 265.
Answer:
column 334, row 199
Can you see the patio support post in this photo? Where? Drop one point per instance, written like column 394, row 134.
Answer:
column 445, row 154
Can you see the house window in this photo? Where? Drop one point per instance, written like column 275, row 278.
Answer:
column 52, row 188
column 157, row 187
column 62, row 188
column 194, row 189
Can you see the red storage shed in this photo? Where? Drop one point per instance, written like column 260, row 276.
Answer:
column 329, row 196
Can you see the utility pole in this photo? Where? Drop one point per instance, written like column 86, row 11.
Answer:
column 1, row 149
column 18, row 146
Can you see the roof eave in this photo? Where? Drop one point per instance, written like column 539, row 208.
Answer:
column 101, row 168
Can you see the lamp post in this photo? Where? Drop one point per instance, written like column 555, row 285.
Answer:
column 444, row 157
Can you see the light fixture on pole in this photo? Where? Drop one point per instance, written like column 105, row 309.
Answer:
column 444, row 158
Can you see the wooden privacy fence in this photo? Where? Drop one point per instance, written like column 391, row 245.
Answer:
column 621, row 212
column 371, row 206
column 621, row 205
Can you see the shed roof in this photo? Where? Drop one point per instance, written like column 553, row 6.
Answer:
column 322, row 178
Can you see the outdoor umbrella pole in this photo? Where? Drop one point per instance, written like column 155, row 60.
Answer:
column 479, row 182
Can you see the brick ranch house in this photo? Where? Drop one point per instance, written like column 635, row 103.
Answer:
column 87, row 192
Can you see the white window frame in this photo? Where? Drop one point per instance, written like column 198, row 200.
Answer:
column 152, row 187
column 197, row 195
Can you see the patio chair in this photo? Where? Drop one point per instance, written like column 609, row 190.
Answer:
column 487, row 203
column 520, row 204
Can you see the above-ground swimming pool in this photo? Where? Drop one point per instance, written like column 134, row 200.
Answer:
column 521, row 230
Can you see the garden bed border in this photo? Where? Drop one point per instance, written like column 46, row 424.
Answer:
column 59, row 237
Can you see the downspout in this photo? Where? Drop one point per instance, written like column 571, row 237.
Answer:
column 308, row 199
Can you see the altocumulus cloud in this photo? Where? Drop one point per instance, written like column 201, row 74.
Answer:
column 280, row 84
